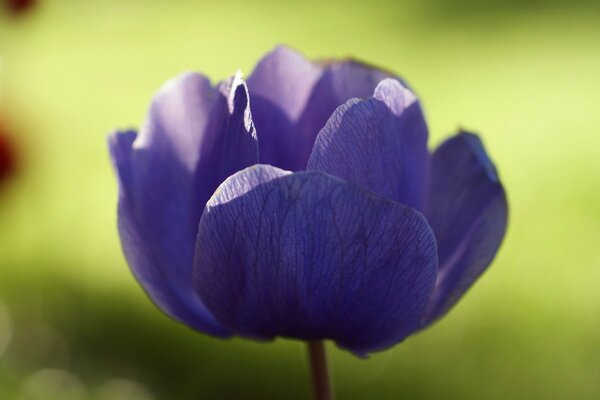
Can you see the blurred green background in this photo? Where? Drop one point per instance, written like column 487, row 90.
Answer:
column 525, row 74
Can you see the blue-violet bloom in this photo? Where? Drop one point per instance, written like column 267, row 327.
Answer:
column 303, row 203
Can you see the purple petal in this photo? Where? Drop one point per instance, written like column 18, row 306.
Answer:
column 379, row 143
column 309, row 256
column 280, row 88
column 195, row 137
column 292, row 98
column 468, row 212
column 341, row 81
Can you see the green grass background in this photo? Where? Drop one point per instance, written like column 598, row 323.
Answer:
column 525, row 75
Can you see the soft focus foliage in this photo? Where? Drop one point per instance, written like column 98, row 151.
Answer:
column 524, row 76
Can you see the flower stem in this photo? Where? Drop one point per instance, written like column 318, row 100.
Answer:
column 321, row 382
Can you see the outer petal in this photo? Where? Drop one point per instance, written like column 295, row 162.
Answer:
column 468, row 213
column 292, row 99
column 379, row 143
column 195, row 137
column 309, row 256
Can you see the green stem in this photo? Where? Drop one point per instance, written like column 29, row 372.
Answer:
column 321, row 382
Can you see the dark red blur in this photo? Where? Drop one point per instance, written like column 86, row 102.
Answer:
column 7, row 157
column 17, row 7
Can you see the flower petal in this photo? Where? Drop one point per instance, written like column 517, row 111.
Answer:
column 292, row 98
column 280, row 87
column 309, row 256
column 468, row 212
column 343, row 80
column 195, row 137
column 379, row 143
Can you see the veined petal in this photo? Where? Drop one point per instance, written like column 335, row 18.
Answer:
column 309, row 256
column 379, row 143
column 292, row 98
column 195, row 136
column 468, row 212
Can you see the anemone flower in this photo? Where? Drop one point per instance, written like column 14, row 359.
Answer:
column 304, row 203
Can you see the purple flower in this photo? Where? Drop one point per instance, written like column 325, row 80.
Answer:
column 304, row 203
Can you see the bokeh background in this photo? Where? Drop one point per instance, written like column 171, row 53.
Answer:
column 525, row 74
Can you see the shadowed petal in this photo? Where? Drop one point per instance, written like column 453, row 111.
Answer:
column 468, row 212
column 309, row 256
column 195, row 137
column 292, row 98
column 280, row 87
column 379, row 143
column 339, row 82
